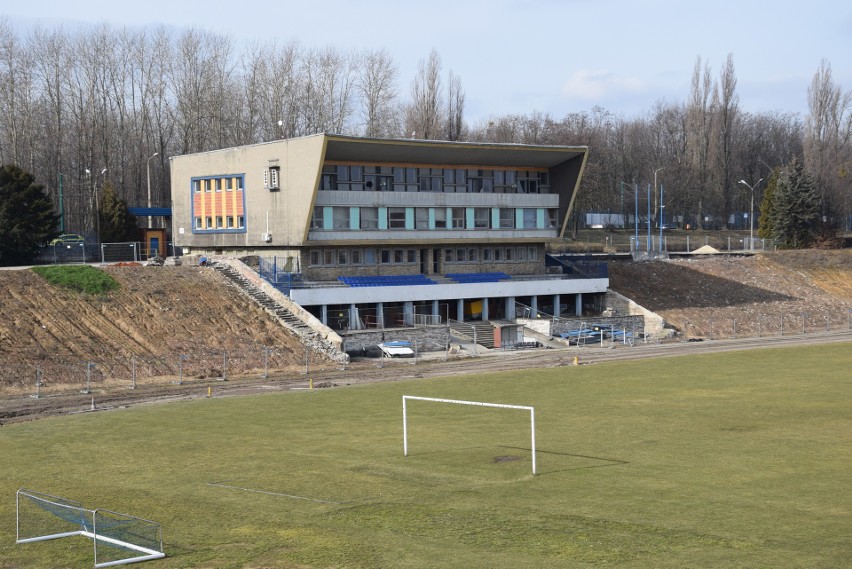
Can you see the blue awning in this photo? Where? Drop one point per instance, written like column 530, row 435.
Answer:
column 152, row 211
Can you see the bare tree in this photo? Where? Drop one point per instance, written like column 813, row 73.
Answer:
column 377, row 93
column 455, row 108
column 425, row 112
column 700, row 121
column 16, row 97
column 828, row 136
column 726, row 105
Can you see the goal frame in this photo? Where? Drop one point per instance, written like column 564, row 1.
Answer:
column 406, row 398
column 88, row 524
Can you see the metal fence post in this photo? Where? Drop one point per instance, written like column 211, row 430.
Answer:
column 181, row 357
column 133, row 373
column 265, row 363
column 89, row 366
column 225, row 365
column 38, row 382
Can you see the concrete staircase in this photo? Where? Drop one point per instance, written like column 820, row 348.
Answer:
column 281, row 313
column 484, row 332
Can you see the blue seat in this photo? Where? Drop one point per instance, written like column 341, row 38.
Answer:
column 386, row 280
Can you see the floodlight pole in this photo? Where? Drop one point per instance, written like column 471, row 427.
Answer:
column 661, row 217
column 649, row 219
column 148, row 172
column 649, row 210
column 751, row 213
column 635, row 211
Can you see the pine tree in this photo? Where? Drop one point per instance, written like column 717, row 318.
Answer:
column 117, row 224
column 27, row 220
column 767, row 206
column 796, row 206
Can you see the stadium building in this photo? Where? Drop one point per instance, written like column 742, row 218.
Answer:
column 381, row 233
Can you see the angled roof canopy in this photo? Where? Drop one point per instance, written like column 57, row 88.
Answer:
column 346, row 149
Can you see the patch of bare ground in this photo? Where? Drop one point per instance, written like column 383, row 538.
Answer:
column 161, row 313
column 723, row 296
column 162, row 322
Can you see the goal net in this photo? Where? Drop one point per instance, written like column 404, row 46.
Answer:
column 407, row 398
column 118, row 538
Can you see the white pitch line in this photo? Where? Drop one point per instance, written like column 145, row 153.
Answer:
column 293, row 496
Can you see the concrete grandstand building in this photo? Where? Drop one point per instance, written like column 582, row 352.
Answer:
column 381, row 233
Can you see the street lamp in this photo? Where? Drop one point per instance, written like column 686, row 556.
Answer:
column 148, row 171
column 661, row 203
column 97, row 202
column 751, row 212
column 635, row 211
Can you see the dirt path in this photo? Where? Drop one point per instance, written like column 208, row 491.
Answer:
column 26, row 407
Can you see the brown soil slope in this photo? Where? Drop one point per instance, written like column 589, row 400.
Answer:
column 158, row 314
column 161, row 313
column 722, row 295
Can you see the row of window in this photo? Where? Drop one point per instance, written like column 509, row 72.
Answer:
column 490, row 254
column 227, row 183
column 431, row 218
column 219, row 222
column 360, row 178
column 360, row 257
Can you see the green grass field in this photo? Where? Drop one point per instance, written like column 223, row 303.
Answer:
column 734, row 460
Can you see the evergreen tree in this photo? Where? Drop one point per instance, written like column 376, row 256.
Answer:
column 767, row 206
column 796, row 206
column 117, row 224
column 27, row 220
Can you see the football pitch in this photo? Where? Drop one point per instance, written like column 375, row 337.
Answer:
column 739, row 459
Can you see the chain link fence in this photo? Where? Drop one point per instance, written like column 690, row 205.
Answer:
column 679, row 241
column 132, row 371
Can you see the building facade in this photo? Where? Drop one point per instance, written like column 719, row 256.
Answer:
column 375, row 232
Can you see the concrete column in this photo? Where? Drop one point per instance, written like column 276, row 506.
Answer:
column 460, row 305
column 408, row 311
column 324, row 314
column 485, row 309
column 354, row 318
column 510, row 308
column 534, row 306
column 380, row 314
column 556, row 302
column 578, row 304
column 436, row 308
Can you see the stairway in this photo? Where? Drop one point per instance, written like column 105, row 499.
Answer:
column 484, row 332
column 273, row 307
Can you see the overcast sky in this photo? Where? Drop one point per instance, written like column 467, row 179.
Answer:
column 513, row 56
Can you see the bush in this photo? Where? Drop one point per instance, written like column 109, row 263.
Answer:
column 80, row 278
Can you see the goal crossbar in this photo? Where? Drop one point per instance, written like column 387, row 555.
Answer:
column 73, row 514
column 406, row 398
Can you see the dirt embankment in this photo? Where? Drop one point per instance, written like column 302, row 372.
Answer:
column 187, row 320
column 725, row 296
column 160, row 317
column 166, row 321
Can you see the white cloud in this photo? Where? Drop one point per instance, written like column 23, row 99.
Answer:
column 597, row 84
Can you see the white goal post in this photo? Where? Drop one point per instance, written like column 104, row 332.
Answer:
column 406, row 398
column 118, row 538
